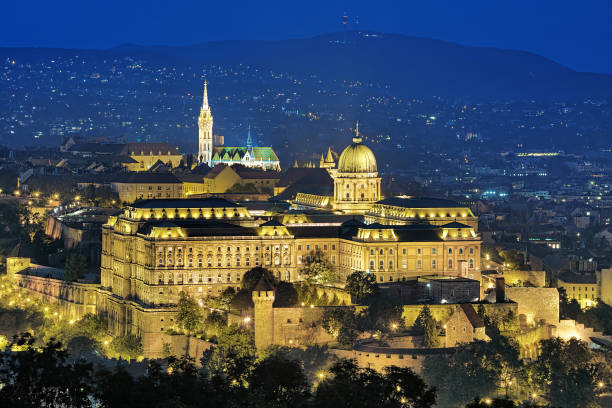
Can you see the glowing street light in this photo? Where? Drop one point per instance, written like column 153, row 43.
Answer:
column 246, row 320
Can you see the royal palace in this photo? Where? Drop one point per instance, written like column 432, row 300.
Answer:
column 157, row 248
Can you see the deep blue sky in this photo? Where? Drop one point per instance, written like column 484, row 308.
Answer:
column 575, row 33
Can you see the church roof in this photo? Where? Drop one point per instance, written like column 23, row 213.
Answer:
column 236, row 153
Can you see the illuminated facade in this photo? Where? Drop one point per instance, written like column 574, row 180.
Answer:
column 205, row 129
column 356, row 181
column 158, row 248
column 411, row 210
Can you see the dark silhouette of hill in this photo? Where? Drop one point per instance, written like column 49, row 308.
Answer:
column 411, row 66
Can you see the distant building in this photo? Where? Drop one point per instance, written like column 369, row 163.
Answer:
column 249, row 156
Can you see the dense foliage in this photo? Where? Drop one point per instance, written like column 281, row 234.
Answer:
column 361, row 285
column 318, row 269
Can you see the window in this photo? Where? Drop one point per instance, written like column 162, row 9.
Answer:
column 381, row 264
column 371, row 264
column 419, row 251
column 390, row 264
column 471, row 250
column 460, row 251
column 299, row 259
column 450, row 264
column 391, row 251
column 308, row 247
column 433, row 251
column 371, row 252
column 325, row 247
column 433, row 264
column 382, row 251
column 333, row 247
column 419, row 264
column 403, row 251
column 450, row 251
column 471, row 263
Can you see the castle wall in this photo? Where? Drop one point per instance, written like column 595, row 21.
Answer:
column 444, row 311
column 299, row 326
column 537, row 278
column 536, row 304
column 377, row 358
column 74, row 300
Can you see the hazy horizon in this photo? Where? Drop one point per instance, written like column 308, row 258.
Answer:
column 573, row 34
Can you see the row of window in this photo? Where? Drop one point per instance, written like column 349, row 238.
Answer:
column 434, row 251
column 419, row 264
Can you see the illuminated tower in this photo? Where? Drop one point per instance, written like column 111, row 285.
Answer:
column 263, row 300
column 205, row 125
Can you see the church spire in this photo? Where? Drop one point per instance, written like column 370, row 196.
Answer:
column 249, row 140
column 205, row 97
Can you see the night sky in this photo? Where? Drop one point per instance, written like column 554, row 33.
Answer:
column 575, row 33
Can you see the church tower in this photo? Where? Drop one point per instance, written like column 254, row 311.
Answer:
column 205, row 136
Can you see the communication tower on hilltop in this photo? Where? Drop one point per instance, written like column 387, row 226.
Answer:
column 344, row 24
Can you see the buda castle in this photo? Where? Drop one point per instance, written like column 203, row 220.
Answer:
column 158, row 248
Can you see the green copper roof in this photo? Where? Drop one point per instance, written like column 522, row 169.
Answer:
column 236, row 153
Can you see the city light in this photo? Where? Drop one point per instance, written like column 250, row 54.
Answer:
column 246, row 319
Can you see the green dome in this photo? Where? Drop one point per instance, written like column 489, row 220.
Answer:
column 357, row 158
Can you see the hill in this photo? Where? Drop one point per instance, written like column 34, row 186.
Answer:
column 409, row 65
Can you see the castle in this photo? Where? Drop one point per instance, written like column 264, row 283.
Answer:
column 249, row 155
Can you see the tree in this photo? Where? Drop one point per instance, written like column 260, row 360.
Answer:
column 128, row 347
column 233, row 356
column 341, row 323
column 43, row 377
column 76, row 267
column 315, row 359
column 427, row 326
column 189, row 314
column 281, row 381
column 351, row 386
column 566, row 373
column 468, row 372
column 318, row 269
column 252, row 276
column 568, row 309
column 491, row 403
column 224, row 300
column 361, row 285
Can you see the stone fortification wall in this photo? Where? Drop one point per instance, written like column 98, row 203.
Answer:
column 378, row 358
column 443, row 312
column 536, row 304
column 74, row 300
column 299, row 326
column 180, row 345
column 536, row 278
column 343, row 297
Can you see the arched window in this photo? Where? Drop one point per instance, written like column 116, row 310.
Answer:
column 450, row 251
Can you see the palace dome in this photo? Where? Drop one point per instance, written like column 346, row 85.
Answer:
column 357, row 158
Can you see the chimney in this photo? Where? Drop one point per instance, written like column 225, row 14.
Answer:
column 500, row 290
